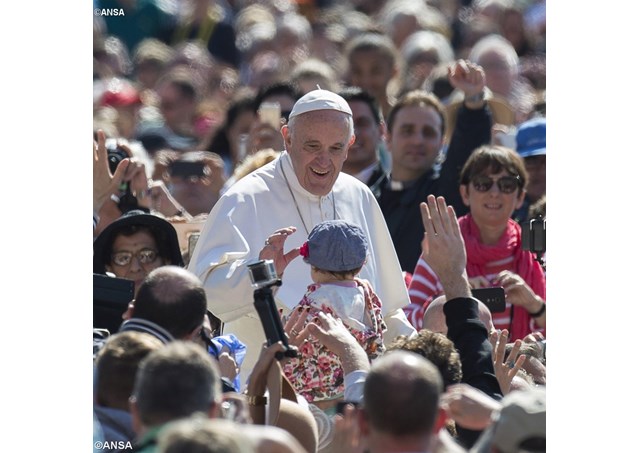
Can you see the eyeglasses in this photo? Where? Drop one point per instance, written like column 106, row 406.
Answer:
column 145, row 256
column 506, row 184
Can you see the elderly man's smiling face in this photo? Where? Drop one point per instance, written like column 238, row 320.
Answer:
column 318, row 142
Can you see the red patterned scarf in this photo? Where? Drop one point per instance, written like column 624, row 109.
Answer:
column 480, row 257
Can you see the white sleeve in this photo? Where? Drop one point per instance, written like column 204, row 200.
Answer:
column 354, row 386
column 219, row 259
column 397, row 324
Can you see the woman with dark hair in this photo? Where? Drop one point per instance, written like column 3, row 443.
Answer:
column 134, row 245
column 238, row 121
column 492, row 184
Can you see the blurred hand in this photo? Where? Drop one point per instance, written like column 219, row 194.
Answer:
column 346, row 437
column 216, row 178
column 104, row 183
column 262, row 136
column 467, row 77
column 227, row 364
column 162, row 201
column 468, row 406
column 517, row 290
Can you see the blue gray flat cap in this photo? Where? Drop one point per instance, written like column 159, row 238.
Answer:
column 320, row 100
column 337, row 246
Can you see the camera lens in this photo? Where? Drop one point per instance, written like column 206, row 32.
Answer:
column 262, row 273
column 115, row 156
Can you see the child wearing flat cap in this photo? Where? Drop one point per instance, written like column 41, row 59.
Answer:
column 336, row 251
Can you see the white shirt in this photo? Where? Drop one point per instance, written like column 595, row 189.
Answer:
column 259, row 204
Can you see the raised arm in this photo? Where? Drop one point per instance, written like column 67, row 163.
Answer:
column 443, row 249
column 472, row 128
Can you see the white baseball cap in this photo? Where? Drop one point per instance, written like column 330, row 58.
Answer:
column 320, row 100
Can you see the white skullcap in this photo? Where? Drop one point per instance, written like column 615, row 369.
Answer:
column 320, row 100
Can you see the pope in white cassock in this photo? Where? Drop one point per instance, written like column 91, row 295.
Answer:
column 281, row 202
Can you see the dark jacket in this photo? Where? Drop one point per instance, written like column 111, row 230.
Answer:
column 116, row 425
column 471, row 339
column 378, row 179
column 401, row 208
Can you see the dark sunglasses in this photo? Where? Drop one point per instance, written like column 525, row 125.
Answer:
column 506, row 184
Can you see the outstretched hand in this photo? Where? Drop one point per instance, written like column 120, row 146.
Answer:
column 505, row 370
column 274, row 249
column 296, row 326
column 443, row 246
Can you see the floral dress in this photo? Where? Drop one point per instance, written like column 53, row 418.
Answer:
column 317, row 373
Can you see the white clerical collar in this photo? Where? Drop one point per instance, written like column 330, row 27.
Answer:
column 396, row 185
column 401, row 185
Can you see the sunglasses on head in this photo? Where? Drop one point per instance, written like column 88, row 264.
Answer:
column 506, row 184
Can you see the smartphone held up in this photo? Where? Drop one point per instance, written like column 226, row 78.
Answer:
column 270, row 113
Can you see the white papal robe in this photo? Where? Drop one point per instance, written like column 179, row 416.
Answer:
column 259, row 204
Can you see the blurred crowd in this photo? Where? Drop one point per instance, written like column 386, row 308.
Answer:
column 387, row 158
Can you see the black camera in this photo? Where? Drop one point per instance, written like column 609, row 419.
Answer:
column 538, row 235
column 115, row 155
column 111, row 297
column 493, row 298
column 263, row 274
column 263, row 277
column 537, row 238
column 186, row 170
column 128, row 202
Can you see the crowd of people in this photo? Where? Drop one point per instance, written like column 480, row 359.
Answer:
column 381, row 161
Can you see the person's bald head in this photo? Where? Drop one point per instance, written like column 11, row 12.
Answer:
column 173, row 298
column 402, row 394
column 435, row 320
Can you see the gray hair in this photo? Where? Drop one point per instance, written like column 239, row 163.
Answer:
column 498, row 44
column 425, row 40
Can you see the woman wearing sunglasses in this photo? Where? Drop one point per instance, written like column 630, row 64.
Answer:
column 492, row 184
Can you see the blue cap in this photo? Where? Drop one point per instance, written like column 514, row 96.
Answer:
column 337, row 246
column 531, row 138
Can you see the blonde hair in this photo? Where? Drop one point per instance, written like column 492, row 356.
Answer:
column 253, row 162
